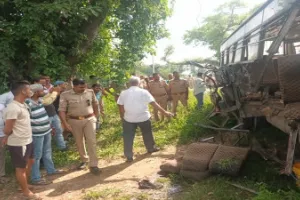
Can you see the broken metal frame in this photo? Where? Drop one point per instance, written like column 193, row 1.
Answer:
column 276, row 43
column 230, row 130
column 291, row 151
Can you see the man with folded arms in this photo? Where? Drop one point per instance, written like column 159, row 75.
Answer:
column 41, row 134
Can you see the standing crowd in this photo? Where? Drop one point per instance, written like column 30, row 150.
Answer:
column 33, row 114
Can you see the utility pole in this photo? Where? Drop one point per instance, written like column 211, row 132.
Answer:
column 153, row 67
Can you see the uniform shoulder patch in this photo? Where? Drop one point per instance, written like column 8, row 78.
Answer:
column 66, row 92
column 89, row 90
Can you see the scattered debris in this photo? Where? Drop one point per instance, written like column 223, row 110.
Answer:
column 175, row 189
column 266, row 155
column 243, row 188
column 146, row 184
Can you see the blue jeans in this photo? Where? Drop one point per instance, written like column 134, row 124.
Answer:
column 199, row 98
column 59, row 139
column 42, row 150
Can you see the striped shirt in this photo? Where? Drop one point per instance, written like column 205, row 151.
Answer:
column 40, row 122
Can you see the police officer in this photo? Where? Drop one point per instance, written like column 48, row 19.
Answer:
column 169, row 104
column 81, row 107
column 159, row 90
column 179, row 89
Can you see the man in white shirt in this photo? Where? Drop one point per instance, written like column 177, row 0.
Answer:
column 133, row 104
column 5, row 99
column 19, row 135
column 199, row 89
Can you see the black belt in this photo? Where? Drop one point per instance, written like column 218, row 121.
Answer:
column 160, row 95
column 82, row 117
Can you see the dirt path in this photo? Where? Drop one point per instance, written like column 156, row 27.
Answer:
column 117, row 176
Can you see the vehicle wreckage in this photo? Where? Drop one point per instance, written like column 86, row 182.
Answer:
column 259, row 73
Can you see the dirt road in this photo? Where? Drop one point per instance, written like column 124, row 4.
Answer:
column 117, row 177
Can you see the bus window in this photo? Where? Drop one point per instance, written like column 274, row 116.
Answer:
column 297, row 47
column 292, row 48
column 231, row 53
column 267, row 46
column 226, row 56
column 253, row 46
column 238, row 52
column 222, row 58
column 245, row 51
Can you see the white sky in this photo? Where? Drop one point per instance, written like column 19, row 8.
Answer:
column 188, row 14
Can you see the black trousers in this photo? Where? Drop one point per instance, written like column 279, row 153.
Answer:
column 129, row 130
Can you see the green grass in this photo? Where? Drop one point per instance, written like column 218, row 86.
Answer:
column 103, row 194
column 113, row 194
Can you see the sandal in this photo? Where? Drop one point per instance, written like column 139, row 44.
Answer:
column 33, row 197
column 41, row 182
column 4, row 180
column 57, row 172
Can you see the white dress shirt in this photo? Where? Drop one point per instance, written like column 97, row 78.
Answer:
column 199, row 86
column 135, row 101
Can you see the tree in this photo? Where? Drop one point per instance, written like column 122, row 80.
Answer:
column 169, row 50
column 217, row 27
column 77, row 37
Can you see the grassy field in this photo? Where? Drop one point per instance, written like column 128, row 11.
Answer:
column 257, row 174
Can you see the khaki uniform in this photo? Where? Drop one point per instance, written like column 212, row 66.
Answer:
column 84, row 128
column 143, row 84
column 159, row 89
column 178, row 90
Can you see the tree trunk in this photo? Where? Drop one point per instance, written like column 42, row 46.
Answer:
column 90, row 29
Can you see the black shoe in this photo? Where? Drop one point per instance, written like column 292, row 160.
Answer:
column 82, row 166
column 95, row 170
column 155, row 149
column 129, row 160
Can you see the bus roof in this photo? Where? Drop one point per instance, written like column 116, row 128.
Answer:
column 267, row 11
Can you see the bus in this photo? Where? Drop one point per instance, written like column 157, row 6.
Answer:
column 259, row 73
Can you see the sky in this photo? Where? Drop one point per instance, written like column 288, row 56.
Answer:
column 187, row 14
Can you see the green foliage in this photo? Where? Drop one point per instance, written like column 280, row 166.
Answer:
column 214, row 188
column 217, row 188
column 265, row 194
column 61, row 38
column 217, row 27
